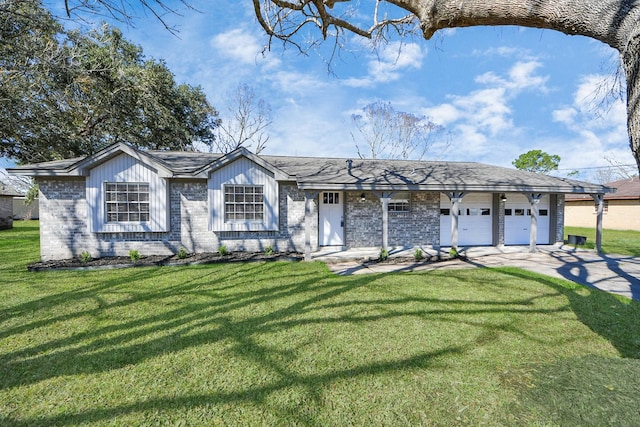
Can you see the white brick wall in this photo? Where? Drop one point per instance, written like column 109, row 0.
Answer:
column 64, row 228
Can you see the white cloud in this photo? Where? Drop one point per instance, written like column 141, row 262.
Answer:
column 520, row 77
column 238, row 45
column 486, row 109
column 566, row 115
column 594, row 111
column 295, row 82
column 504, row 51
column 389, row 64
column 484, row 116
column 596, row 124
column 443, row 114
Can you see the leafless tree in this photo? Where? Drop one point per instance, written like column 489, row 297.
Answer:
column 248, row 120
column 383, row 132
column 614, row 172
column 614, row 22
column 126, row 11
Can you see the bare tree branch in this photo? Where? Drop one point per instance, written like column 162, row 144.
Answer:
column 614, row 22
column 125, row 11
column 384, row 132
column 246, row 127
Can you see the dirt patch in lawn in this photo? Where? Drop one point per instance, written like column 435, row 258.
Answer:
column 160, row 260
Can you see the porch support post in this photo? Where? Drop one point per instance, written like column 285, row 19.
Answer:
column 384, row 197
column 534, row 200
column 599, row 199
column 456, row 198
column 308, row 209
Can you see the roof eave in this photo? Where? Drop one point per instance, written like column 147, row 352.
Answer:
column 451, row 187
column 43, row 172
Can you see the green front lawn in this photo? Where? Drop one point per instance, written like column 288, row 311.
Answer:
column 292, row 344
column 622, row 242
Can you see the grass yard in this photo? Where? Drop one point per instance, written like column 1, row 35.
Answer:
column 292, row 344
column 622, row 242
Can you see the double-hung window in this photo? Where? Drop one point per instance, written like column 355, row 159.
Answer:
column 243, row 203
column 399, row 202
column 127, row 201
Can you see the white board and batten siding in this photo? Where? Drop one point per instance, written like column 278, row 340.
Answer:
column 243, row 172
column 124, row 168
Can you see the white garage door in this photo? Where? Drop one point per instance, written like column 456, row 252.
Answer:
column 517, row 220
column 475, row 225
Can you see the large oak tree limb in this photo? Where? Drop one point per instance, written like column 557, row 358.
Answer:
column 614, row 22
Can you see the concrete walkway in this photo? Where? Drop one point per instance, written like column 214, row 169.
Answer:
column 617, row 274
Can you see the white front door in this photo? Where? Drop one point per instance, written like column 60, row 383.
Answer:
column 331, row 227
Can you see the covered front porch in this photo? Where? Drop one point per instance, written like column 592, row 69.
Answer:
column 435, row 220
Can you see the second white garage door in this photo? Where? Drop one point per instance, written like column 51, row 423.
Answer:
column 517, row 220
column 475, row 224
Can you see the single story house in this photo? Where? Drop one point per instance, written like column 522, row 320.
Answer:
column 122, row 198
column 621, row 209
column 7, row 193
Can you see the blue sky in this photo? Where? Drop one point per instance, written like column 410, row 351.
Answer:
column 498, row 91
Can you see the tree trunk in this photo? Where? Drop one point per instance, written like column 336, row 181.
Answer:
column 614, row 22
column 631, row 61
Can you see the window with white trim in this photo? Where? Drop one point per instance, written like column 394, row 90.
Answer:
column 399, row 202
column 330, row 198
column 243, row 203
column 127, row 201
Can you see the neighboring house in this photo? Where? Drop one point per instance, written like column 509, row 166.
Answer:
column 621, row 209
column 122, row 198
column 20, row 185
column 7, row 193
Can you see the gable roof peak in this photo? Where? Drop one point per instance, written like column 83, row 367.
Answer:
column 82, row 166
column 236, row 154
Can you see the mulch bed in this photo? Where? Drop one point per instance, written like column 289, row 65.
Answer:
column 203, row 258
column 161, row 260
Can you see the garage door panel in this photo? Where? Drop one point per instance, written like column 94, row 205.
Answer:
column 475, row 224
column 517, row 220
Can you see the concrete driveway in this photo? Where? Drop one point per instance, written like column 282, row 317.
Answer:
column 616, row 274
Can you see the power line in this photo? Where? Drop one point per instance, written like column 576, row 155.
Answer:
column 597, row 167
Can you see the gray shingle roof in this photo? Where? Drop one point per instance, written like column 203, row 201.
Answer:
column 8, row 191
column 626, row 189
column 52, row 166
column 315, row 173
